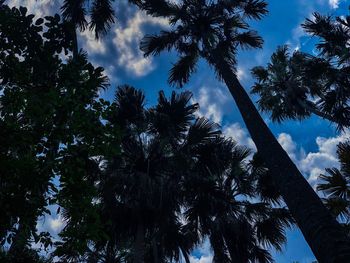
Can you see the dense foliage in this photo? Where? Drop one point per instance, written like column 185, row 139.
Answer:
column 296, row 85
column 47, row 101
column 335, row 185
column 100, row 12
column 215, row 31
column 203, row 29
column 176, row 182
column 149, row 184
column 132, row 183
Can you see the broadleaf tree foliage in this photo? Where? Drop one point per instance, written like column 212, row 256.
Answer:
column 46, row 102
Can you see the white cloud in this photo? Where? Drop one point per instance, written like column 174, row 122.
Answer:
column 91, row 44
column 211, row 103
column 297, row 34
column 334, row 3
column 326, row 157
column 241, row 74
column 55, row 224
column 206, row 254
column 39, row 8
column 202, row 259
column 52, row 223
column 312, row 164
column 127, row 42
column 240, row 135
column 288, row 145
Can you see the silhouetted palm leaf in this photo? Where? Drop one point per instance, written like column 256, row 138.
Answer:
column 222, row 28
column 100, row 11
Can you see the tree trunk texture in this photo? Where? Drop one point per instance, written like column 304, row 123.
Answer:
column 322, row 232
column 139, row 246
column 155, row 251
column 75, row 42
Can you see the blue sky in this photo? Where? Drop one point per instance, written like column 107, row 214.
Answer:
column 311, row 143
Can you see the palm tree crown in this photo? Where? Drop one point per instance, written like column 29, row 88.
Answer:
column 202, row 28
column 100, row 11
column 176, row 181
column 294, row 86
column 335, row 184
column 215, row 30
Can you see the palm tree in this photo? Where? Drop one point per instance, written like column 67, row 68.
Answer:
column 298, row 85
column 176, row 181
column 289, row 86
column 335, row 185
column 101, row 14
column 215, row 30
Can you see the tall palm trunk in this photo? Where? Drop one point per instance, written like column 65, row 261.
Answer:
column 75, row 43
column 323, row 233
column 139, row 246
column 73, row 36
column 155, row 251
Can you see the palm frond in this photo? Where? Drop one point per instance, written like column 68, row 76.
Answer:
column 267, row 190
column 171, row 118
column 270, row 233
column 155, row 44
column 334, row 183
column 319, row 26
column 261, row 255
column 202, row 131
column 158, row 8
column 255, row 9
column 74, row 11
column 260, row 73
column 181, row 71
column 340, row 207
column 130, row 103
column 343, row 152
column 249, row 39
column 102, row 16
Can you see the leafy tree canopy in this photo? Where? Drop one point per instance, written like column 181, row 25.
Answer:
column 47, row 101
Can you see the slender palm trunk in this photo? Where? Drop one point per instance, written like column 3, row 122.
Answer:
column 139, row 247
column 75, row 41
column 323, row 233
column 155, row 251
